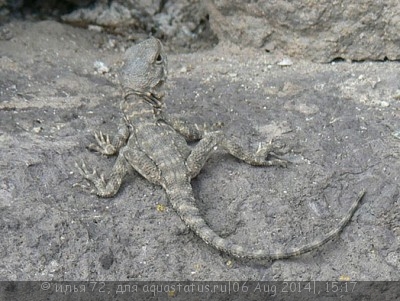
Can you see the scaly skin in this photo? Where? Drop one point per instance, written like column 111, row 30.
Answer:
column 155, row 145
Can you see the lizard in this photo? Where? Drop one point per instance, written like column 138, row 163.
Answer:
column 156, row 146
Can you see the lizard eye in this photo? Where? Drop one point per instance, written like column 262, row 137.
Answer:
column 159, row 59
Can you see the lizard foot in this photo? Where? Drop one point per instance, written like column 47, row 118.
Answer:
column 266, row 155
column 103, row 146
column 215, row 127
column 93, row 178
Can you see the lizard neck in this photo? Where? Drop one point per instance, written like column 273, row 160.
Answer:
column 155, row 99
column 137, row 108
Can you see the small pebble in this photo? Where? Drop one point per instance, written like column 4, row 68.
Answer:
column 37, row 129
column 100, row 67
column 285, row 62
column 96, row 28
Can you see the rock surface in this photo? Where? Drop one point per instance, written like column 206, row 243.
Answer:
column 321, row 31
column 340, row 123
column 183, row 23
column 317, row 30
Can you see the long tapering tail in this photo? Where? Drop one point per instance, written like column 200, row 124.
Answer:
column 184, row 203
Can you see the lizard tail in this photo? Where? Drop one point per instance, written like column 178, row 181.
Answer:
column 184, row 204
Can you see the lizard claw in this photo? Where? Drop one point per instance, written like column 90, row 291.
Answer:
column 101, row 138
column 215, row 127
column 92, row 177
column 264, row 153
column 274, row 147
column 279, row 162
column 97, row 183
column 80, row 185
column 81, row 167
column 104, row 145
column 85, row 187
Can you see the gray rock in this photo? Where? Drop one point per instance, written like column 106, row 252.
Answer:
column 184, row 22
column 330, row 115
column 318, row 30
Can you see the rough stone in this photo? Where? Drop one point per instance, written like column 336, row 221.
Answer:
column 318, row 30
column 51, row 101
column 183, row 22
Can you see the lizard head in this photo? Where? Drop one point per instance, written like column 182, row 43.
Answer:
column 145, row 70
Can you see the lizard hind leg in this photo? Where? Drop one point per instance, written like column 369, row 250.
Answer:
column 102, row 187
column 260, row 158
column 142, row 164
column 202, row 150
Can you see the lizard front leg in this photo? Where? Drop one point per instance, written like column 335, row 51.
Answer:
column 191, row 131
column 128, row 157
column 104, row 144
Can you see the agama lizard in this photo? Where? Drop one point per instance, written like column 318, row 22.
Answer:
column 155, row 145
